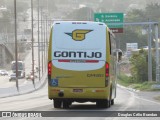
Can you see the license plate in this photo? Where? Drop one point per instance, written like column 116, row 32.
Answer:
column 77, row 90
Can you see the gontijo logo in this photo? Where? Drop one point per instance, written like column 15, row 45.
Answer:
column 79, row 34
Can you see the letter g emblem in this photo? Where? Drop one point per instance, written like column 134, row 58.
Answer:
column 78, row 35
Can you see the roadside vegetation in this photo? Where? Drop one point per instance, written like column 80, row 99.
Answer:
column 139, row 73
column 142, row 86
column 139, row 67
column 157, row 98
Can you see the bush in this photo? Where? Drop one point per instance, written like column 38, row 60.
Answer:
column 139, row 69
column 124, row 80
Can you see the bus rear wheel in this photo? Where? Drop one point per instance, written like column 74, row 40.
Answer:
column 112, row 102
column 66, row 104
column 57, row 103
column 103, row 103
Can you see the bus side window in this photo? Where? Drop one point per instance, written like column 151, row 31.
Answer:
column 110, row 42
column 112, row 45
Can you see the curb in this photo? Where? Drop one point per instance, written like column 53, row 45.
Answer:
column 127, row 88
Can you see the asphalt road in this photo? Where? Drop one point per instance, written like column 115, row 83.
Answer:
column 126, row 101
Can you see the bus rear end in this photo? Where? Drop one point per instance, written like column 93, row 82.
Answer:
column 77, row 64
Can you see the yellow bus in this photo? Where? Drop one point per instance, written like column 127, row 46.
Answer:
column 81, row 64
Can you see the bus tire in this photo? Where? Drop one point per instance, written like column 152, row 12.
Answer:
column 103, row 103
column 109, row 103
column 110, row 99
column 98, row 104
column 57, row 103
column 112, row 102
column 66, row 104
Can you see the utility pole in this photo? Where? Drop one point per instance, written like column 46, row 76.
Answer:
column 32, row 44
column 16, row 54
column 157, row 54
column 42, row 39
column 39, row 73
column 46, row 45
column 149, row 54
column 44, row 31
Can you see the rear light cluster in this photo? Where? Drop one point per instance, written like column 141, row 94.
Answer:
column 107, row 69
column 49, row 68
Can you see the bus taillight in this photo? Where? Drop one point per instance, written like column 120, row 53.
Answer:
column 107, row 69
column 49, row 68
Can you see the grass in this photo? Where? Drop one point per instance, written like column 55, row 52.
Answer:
column 157, row 98
column 124, row 80
column 145, row 86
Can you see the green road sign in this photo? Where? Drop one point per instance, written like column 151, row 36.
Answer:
column 110, row 19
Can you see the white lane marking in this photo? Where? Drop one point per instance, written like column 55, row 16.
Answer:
column 147, row 100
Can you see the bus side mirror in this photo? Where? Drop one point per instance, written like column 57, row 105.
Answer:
column 119, row 56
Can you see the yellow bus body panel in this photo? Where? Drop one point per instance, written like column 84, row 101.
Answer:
column 68, row 80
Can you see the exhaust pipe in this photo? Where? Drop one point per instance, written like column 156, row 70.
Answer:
column 60, row 94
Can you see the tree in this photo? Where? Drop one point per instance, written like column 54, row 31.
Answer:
column 139, row 68
column 22, row 6
column 106, row 5
column 5, row 21
column 130, row 35
column 51, row 6
column 152, row 12
column 84, row 13
column 48, row 5
column 2, row 2
column 134, row 34
column 136, row 15
column 116, row 5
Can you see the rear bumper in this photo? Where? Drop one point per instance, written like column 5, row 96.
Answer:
column 82, row 94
